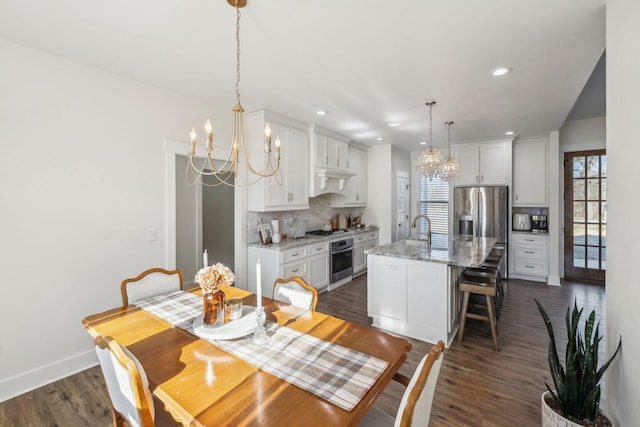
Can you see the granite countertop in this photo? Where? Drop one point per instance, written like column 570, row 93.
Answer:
column 310, row 239
column 463, row 251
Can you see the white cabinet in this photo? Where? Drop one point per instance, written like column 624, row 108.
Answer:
column 311, row 262
column 484, row 163
column 530, row 256
column 359, row 260
column 329, row 156
column 412, row 298
column 337, row 153
column 355, row 187
column 387, row 288
column 530, row 173
column 288, row 190
column 318, row 265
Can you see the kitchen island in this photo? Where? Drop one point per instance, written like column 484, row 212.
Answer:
column 412, row 287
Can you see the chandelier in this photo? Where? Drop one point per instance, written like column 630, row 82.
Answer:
column 451, row 168
column 430, row 160
column 230, row 167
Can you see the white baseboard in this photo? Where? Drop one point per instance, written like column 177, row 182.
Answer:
column 31, row 380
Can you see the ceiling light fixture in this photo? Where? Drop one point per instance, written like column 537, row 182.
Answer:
column 430, row 160
column 393, row 125
column 238, row 148
column 450, row 168
column 509, row 133
column 321, row 113
column 500, row 71
column 423, row 143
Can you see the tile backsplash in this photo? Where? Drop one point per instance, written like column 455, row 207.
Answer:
column 319, row 212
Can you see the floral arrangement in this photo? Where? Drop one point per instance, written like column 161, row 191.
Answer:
column 212, row 277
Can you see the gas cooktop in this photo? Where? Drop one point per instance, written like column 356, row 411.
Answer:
column 325, row 232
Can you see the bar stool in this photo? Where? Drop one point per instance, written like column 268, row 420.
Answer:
column 479, row 285
column 492, row 271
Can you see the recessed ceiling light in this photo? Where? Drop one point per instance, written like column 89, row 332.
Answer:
column 321, row 112
column 500, row 71
column 509, row 133
column 379, row 138
column 394, row 124
column 423, row 143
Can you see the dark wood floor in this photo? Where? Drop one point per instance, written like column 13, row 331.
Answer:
column 476, row 387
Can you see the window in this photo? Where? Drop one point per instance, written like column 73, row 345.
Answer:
column 433, row 201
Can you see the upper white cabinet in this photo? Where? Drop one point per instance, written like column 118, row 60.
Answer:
column 530, row 172
column 484, row 163
column 330, row 160
column 355, row 188
column 292, row 192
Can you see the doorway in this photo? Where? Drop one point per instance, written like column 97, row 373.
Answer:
column 204, row 219
column 585, row 215
column 402, row 206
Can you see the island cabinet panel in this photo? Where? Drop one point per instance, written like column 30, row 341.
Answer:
column 411, row 297
column 388, row 296
column 426, row 297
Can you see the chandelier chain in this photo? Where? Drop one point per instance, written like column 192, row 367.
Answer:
column 237, row 53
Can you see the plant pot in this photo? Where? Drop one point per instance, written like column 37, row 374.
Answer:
column 551, row 418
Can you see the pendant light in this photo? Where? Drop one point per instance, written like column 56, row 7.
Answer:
column 430, row 160
column 451, row 168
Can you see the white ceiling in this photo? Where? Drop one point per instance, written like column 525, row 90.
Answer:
column 367, row 62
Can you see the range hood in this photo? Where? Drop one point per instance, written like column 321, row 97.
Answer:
column 325, row 174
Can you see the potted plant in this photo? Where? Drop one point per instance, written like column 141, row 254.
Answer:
column 576, row 397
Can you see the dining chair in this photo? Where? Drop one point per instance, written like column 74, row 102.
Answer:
column 415, row 406
column 154, row 281
column 128, row 387
column 295, row 291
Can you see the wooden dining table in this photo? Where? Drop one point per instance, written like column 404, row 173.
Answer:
column 203, row 385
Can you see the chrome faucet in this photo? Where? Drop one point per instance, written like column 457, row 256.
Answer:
column 415, row 221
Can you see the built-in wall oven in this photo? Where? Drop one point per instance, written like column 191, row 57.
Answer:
column 341, row 259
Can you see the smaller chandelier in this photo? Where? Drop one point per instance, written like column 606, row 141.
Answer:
column 230, row 167
column 430, row 160
column 451, row 168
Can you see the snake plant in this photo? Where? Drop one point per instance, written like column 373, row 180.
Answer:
column 577, row 388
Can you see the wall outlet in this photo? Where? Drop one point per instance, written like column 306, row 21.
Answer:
column 152, row 235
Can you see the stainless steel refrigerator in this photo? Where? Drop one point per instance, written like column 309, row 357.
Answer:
column 484, row 212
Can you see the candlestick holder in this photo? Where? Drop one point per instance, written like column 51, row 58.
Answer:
column 260, row 336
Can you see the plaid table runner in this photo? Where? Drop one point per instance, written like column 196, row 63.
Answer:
column 335, row 373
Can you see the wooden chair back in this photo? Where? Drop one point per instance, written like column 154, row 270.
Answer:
column 295, row 291
column 127, row 384
column 154, row 281
column 415, row 406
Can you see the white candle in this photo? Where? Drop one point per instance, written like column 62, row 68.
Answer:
column 259, row 284
column 205, row 259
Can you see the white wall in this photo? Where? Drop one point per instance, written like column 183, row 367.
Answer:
column 623, row 152
column 82, row 180
column 379, row 191
column 585, row 134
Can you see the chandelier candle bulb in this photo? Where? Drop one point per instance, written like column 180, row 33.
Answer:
column 277, row 156
column 193, row 138
column 267, row 138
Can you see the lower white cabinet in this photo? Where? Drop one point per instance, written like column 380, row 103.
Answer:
column 413, row 298
column 530, row 255
column 359, row 260
column 318, row 265
column 311, row 262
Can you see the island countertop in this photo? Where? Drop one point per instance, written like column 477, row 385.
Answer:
column 464, row 251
